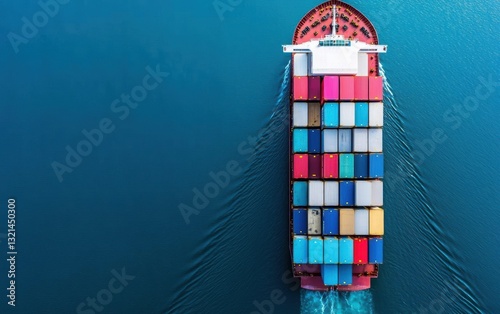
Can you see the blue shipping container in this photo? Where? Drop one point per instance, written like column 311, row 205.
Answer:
column 300, row 249
column 376, row 165
column 330, row 114
column 315, row 250
column 345, row 140
column 346, row 251
column 300, row 221
column 360, row 166
column 330, row 221
column 346, row 166
column 330, row 274
column 345, row 275
column 346, row 191
column 376, row 251
column 361, row 114
column 300, row 193
column 314, row 141
column 300, row 140
column 331, row 250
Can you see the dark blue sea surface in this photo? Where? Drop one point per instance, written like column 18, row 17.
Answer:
column 174, row 200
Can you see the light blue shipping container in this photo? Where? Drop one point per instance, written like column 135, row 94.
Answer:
column 315, row 250
column 300, row 249
column 330, row 113
column 300, row 193
column 329, row 141
column 345, row 140
column 331, row 250
column 300, row 142
column 346, row 251
column 361, row 114
column 330, row 274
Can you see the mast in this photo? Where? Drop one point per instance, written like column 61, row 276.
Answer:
column 334, row 17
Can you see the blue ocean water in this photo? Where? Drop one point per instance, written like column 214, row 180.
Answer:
column 210, row 117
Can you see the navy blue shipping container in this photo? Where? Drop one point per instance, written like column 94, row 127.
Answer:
column 361, row 114
column 346, row 191
column 376, row 165
column 314, row 141
column 361, row 166
column 345, row 274
column 330, row 221
column 376, row 251
column 300, row 221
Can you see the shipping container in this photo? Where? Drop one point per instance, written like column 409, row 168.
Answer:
column 330, row 275
column 376, row 166
column 300, row 114
column 300, row 221
column 314, row 88
column 329, row 142
column 360, row 140
column 331, row 250
column 361, row 114
column 360, row 251
column 363, row 193
column 375, row 87
column 375, row 251
column 300, row 193
column 346, row 166
column 314, row 221
column 330, row 221
column 330, row 115
column 361, row 166
column 346, row 193
column 361, row 222
column 346, row 250
column 330, row 166
column 315, row 250
column 345, row 140
column 316, row 193
column 314, row 114
column 331, row 88
column 377, row 193
column 331, row 193
column 314, row 141
column 346, row 87
column 376, row 221
column 345, row 275
column 300, row 64
column 347, row 115
column 346, row 221
column 375, row 140
column 361, row 88
column 300, row 143
column 376, row 114
column 314, row 166
column 363, row 64
column 300, row 249
column 300, row 88
column 300, row 166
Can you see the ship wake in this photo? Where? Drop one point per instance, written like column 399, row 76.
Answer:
column 335, row 302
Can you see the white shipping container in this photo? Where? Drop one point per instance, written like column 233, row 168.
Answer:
column 362, row 64
column 361, row 222
column 300, row 64
column 314, row 221
column 363, row 193
column 331, row 193
column 347, row 117
column 360, row 140
column 377, row 193
column 345, row 140
column 375, row 140
column 300, row 114
column 376, row 114
column 316, row 190
column 329, row 141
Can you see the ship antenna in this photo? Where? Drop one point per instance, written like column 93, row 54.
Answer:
column 334, row 17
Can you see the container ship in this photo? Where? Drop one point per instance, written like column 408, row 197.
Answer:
column 336, row 158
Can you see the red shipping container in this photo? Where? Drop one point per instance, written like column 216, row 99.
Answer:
column 330, row 166
column 376, row 87
column 346, row 87
column 314, row 87
column 300, row 88
column 300, row 166
column 331, row 88
column 360, row 251
column 314, row 166
column 361, row 88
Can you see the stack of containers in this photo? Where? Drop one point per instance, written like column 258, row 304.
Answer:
column 337, row 171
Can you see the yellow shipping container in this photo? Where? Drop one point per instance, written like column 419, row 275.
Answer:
column 376, row 221
column 346, row 221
